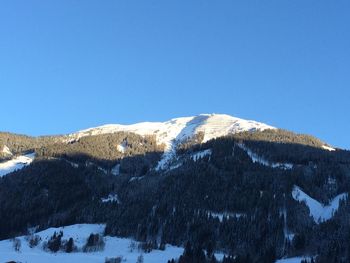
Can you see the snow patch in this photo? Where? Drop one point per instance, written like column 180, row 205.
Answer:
column 111, row 198
column 116, row 169
column 287, row 234
column 122, row 147
column 6, row 151
column 199, row 155
column 225, row 215
column 175, row 166
column 328, row 148
column 136, row 178
column 292, row 260
column 318, row 211
column 16, row 163
column 103, row 170
column 73, row 164
column 261, row 160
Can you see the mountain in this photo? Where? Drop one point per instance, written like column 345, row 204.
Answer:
column 175, row 131
column 241, row 188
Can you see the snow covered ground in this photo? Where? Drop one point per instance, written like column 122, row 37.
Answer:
column 114, row 247
column 318, row 211
column 16, row 163
column 175, row 131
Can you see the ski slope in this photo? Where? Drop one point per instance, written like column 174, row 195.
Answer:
column 318, row 211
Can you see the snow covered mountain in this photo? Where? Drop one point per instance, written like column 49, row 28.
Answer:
column 179, row 129
column 169, row 182
column 175, row 131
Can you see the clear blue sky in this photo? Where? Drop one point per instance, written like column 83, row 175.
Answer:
column 68, row 65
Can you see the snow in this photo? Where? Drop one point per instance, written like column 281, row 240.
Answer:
column 111, row 198
column 226, row 215
column 116, row 169
column 173, row 132
column 261, row 160
column 291, row 260
column 16, row 163
column 175, row 166
column 122, row 147
column 103, row 170
column 114, row 247
column 199, row 155
column 6, row 150
column 73, row 164
column 136, row 178
column 318, row 211
column 328, row 148
column 287, row 234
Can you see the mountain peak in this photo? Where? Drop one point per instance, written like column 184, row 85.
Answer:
column 172, row 132
column 178, row 129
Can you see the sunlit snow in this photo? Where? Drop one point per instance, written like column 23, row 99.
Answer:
column 6, row 150
column 328, row 148
column 175, row 131
column 16, row 163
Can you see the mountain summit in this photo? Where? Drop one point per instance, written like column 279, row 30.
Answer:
column 178, row 129
column 175, row 131
column 214, row 182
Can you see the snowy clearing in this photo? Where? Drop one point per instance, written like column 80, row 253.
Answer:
column 114, row 247
column 16, row 163
column 261, row 160
column 318, row 211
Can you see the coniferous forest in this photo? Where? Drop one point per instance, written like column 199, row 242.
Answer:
column 229, row 200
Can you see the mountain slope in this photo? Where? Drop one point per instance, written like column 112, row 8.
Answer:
column 218, row 182
column 171, row 133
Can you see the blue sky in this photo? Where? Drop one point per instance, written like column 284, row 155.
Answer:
column 68, row 65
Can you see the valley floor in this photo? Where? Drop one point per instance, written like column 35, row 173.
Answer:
column 114, row 247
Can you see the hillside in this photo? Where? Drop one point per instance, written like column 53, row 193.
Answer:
column 241, row 188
